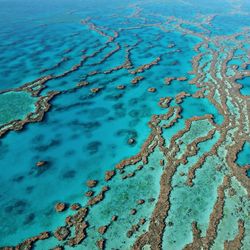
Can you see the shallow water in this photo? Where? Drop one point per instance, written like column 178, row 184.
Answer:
column 11, row 109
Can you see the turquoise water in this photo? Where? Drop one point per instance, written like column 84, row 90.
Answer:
column 243, row 157
column 86, row 133
column 245, row 82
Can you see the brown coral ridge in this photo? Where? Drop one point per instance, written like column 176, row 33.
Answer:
column 41, row 163
column 145, row 67
column 75, row 206
column 89, row 193
column 136, row 227
column 102, row 229
column 199, row 93
column 93, row 27
column 120, row 87
column 95, row 90
column 108, row 55
column 202, row 159
column 42, row 106
column 82, row 84
column 80, row 226
column 214, row 220
column 79, row 231
column 137, row 79
column 182, row 78
column 80, row 234
column 57, row 65
column 129, row 175
column 164, row 102
column 179, row 97
column 157, row 225
column 168, row 80
column 227, row 91
column 77, row 221
column 152, row 90
column 151, row 143
column 29, row 243
column 60, row 207
column 126, row 65
column 58, row 248
column 236, row 243
column 91, row 183
column 62, row 233
column 36, row 86
column 109, row 175
column 101, row 244
column 231, row 157
column 96, row 199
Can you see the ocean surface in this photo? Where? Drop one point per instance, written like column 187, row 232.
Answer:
column 134, row 116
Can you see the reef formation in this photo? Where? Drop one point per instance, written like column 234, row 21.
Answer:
column 182, row 187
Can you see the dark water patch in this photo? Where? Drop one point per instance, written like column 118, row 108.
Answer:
column 18, row 179
column 18, row 207
column 133, row 101
column 120, row 114
column 29, row 219
column 174, row 63
column 127, row 133
column 75, row 136
column 51, row 210
column 113, row 146
column 29, row 189
column 86, row 97
column 69, row 107
column 114, row 97
column 120, row 110
column 98, row 112
column 134, row 123
column 38, row 171
column 69, row 174
column 118, row 106
column 38, row 139
column 44, row 147
column 134, row 113
column 149, row 54
column 129, row 136
column 93, row 147
column 144, row 111
column 69, row 152
column 87, row 126
column 111, row 118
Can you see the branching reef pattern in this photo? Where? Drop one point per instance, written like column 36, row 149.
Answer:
column 183, row 189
